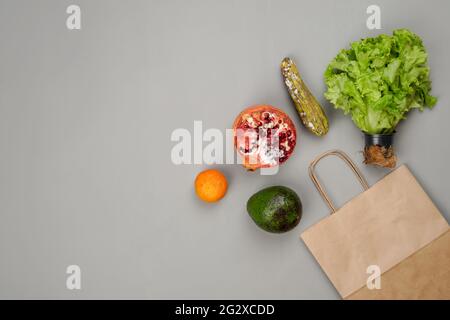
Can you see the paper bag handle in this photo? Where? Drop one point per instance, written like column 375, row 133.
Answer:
column 348, row 161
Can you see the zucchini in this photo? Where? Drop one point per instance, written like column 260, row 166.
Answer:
column 311, row 113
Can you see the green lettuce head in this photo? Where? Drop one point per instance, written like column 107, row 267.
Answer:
column 378, row 80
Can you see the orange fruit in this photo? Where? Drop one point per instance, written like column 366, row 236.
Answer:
column 211, row 185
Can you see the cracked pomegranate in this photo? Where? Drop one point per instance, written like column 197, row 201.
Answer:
column 264, row 136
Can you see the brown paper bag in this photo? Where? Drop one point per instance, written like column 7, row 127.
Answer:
column 424, row 275
column 387, row 223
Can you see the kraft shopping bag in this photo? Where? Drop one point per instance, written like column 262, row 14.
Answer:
column 382, row 226
column 423, row 275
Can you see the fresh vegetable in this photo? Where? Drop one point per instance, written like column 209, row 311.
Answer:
column 211, row 185
column 275, row 209
column 378, row 81
column 264, row 137
column 309, row 110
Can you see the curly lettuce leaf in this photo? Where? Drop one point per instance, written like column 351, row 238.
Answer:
column 379, row 80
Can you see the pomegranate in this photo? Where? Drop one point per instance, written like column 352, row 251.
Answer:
column 264, row 136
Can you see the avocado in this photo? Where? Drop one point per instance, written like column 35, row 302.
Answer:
column 275, row 209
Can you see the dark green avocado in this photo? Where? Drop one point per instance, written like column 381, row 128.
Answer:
column 275, row 209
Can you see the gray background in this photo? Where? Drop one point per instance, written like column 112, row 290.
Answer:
column 86, row 116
